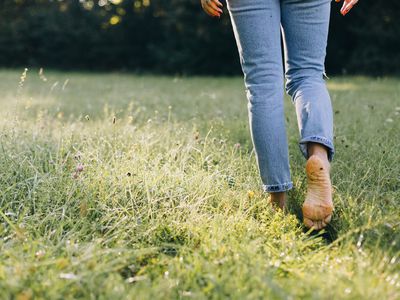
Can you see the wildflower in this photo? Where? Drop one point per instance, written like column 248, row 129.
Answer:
column 237, row 145
column 250, row 194
column 39, row 254
column 79, row 167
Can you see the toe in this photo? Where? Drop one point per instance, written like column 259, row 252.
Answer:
column 318, row 225
column 328, row 219
column 323, row 224
column 309, row 223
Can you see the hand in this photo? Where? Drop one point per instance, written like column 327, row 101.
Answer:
column 347, row 5
column 212, row 7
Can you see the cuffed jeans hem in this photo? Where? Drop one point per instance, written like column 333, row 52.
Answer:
column 277, row 187
column 317, row 139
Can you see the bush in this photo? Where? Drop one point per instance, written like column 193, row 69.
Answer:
column 173, row 36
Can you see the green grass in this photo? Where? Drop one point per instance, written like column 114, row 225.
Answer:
column 162, row 209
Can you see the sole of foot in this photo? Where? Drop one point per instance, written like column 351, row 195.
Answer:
column 318, row 206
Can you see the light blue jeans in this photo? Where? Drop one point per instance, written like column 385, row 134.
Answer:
column 304, row 25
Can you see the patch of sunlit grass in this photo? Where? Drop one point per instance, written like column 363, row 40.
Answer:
column 121, row 187
column 336, row 86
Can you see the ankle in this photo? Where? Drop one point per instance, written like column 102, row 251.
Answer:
column 278, row 200
column 319, row 150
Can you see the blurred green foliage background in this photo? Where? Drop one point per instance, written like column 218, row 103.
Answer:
column 175, row 36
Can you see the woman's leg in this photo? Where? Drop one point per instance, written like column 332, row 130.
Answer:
column 305, row 25
column 256, row 26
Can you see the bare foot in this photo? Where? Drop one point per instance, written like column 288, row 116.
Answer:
column 318, row 206
column 278, row 199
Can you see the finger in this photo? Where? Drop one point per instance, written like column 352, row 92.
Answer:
column 208, row 10
column 211, row 11
column 344, row 9
column 345, row 3
column 210, row 7
column 215, row 7
column 347, row 6
column 218, row 3
column 344, row 6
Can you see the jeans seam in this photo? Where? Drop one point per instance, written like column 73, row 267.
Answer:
column 278, row 187
column 322, row 140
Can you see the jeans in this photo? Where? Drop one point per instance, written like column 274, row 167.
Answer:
column 303, row 24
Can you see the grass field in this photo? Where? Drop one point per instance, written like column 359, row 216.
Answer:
column 138, row 187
